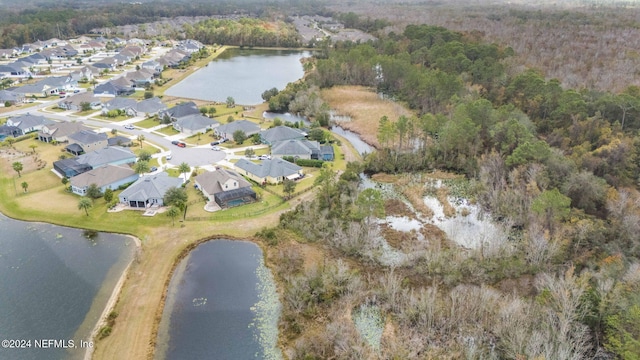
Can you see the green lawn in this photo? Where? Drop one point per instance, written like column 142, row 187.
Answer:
column 112, row 119
column 147, row 123
column 168, row 130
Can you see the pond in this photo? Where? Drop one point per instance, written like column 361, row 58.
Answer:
column 222, row 303
column 242, row 74
column 55, row 283
column 355, row 140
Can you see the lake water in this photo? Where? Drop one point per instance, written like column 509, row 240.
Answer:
column 355, row 140
column 243, row 75
column 221, row 304
column 54, row 284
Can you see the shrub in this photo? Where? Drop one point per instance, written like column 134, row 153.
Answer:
column 309, row 163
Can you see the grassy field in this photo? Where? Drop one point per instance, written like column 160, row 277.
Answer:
column 365, row 109
column 168, row 130
column 147, row 123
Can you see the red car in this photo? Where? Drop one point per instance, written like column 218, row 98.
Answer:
column 181, row 144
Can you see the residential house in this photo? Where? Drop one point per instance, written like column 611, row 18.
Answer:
column 14, row 70
column 119, row 141
column 147, row 108
column 281, row 133
column 111, row 155
column 269, row 171
column 27, row 123
column 85, row 141
column 189, row 46
column 70, row 167
column 149, row 190
column 106, row 64
column 75, row 102
column 7, row 53
column 6, row 131
column 152, row 65
column 48, row 86
column 116, row 87
column 226, row 187
column 226, row 131
column 7, row 96
column 119, row 103
column 180, row 110
column 140, row 78
column 106, row 177
column 303, row 149
column 87, row 73
column 35, row 59
column 60, row 131
column 193, row 124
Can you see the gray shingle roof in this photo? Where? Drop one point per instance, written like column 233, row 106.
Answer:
column 281, row 133
column 182, row 110
column 105, row 156
column 103, row 176
column 120, row 104
column 87, row 137
column 195, row 122
column 247, row 126
column 27, row 121
column 152, row 186
column 295, row 147
column 152, row 105
column 274, row 168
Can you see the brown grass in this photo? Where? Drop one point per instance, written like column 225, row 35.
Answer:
column 442, row 194
column 365, row 109
column 415, row 193
column 395, row 207
column 385, row 178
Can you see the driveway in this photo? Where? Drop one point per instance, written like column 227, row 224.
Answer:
column 194, row 156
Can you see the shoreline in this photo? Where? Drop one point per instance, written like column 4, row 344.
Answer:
column 113, row 300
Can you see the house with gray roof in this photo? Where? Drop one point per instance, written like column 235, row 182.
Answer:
column 226, row 187
column 48, row 86
column 116, row 87
column 281, row 133
column 193, row 124
column 7, row 96
column 147, row 107
column 112, row 155
column 119, row 140
column 140, row 78
column 269, row 171
column 180, row 110
column 152, row 65
column 6, row 131
column 106, row 177
column 149, row 190
column 75, row 102
column 226, row 131
column 303, row 149
column 118, row 103
column 28, row 123
column 60, row 131
column 14, row 70
column 86, row 141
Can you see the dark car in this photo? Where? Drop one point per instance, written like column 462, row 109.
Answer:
column 153, row 168
column 215, row 143
column 175, row 142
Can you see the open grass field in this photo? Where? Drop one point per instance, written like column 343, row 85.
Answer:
column 365, row 109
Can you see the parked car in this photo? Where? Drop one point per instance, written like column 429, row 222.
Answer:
column 224, row 140
column 175, row 142
column 181, row 144
column 215, row 143
column 76, row 91
column 168, row 157
column 264, row 157
column 129, row 127
column 216, row 148
column 153, row 168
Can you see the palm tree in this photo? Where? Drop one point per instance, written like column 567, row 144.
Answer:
column 25, row 186
column 141, row 139
column 17, row 166
column 85, row 204
column 141, row 167
column 173, row 212
column 184, row 169
column 33, row 147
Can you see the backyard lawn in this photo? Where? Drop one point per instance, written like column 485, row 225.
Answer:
column 168, row 130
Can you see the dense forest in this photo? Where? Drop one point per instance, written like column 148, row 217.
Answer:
column 244, row 32
column 556, row 168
